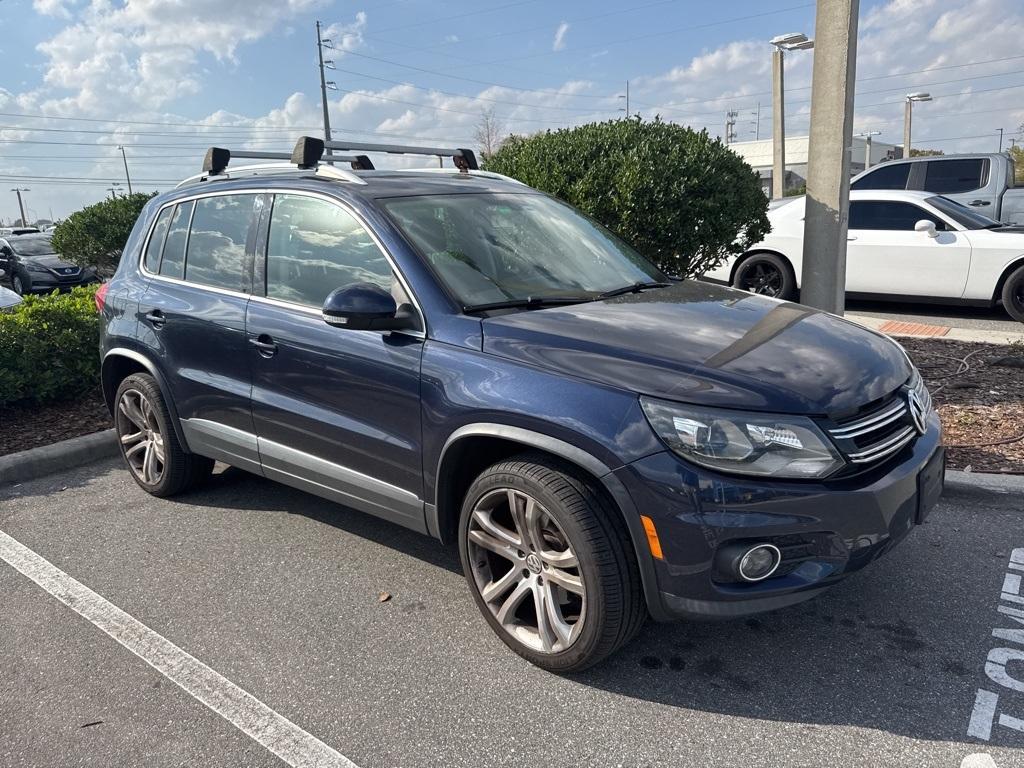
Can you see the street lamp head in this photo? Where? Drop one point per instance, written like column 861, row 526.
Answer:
column 804, row 46
column 919, row 96
column 793, row 38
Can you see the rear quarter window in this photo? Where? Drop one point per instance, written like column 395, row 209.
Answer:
column 885, row 177
column 944, row 177
column 156, row 240
column 173, row 262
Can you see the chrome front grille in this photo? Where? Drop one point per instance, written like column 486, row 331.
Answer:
column 885, row 428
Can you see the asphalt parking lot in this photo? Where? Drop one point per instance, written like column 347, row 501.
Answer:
column 278, row 592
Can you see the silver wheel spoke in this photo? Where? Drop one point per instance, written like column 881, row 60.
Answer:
column 158, row 447
column 564, row 559
column 496, row 589
column 141, row 446
column 134, row 437
column 497, row 546
column 567, row 581
column 552, row 615
column 139, row 433
column 506, row 614
column 131, row 409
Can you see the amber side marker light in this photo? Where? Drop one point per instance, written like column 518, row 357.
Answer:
column 652, row 537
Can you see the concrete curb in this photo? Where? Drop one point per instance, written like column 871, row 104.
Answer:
column 941, row 332
column 48, row 459
column 973, row 481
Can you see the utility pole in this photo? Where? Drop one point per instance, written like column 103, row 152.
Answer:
column 1000, row 139
column 828, row 158
column 626, row 97
column 730, row 126
column 757, row 123
column 795, row 41
column 21, row 203
column 113, row 193
column 127, row 175
column 867, row 146
column 908, row 115
column 321, row 43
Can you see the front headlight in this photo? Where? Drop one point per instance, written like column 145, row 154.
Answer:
column 37, row 269
column 743, row 442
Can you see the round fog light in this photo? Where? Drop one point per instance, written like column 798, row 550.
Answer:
column 759, row 562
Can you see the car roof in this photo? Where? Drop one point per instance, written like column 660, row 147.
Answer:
column 904, row 195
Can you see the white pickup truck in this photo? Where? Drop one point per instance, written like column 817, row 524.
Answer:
column 982, row 181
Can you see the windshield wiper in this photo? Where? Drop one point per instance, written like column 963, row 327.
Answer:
column 533, row 302
column 634, row 288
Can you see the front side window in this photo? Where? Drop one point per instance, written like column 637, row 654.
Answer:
column 491, row 248
column 315, row 247
column 885, row 177
column 947, row 177
column 173, row 262
column 890, row 215
column 216, row 243
column 966, row 217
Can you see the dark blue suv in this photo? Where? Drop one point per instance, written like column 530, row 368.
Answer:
column 460, row 354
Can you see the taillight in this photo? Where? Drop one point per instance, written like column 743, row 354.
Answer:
column 101, row 296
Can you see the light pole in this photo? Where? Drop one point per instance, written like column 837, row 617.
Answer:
column 908, row 110
column 794, row 41
column 626, row 97
column 1000, row 139
column 21, row 203
column 867, row 146
column 127, row 175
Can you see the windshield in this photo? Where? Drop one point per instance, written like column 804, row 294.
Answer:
column 961, row 214
column 491, row 248
column 31, row 246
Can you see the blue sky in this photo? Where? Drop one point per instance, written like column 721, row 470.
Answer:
column 243, row 72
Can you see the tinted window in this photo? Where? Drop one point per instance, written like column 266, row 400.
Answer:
column 156, row 240
column 949, row 176
column 31, row 245
column 885, row 177
column 315, row 247
column 963, row 215
column 889, row 215
column 173, row 262
column 216, row 244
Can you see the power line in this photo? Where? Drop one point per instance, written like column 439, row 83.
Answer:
column 456, row 17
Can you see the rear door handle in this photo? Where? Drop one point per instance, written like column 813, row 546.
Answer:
column 156, row 318
column 264, row 345
column 980, row 202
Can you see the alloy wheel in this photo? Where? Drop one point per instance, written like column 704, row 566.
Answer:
column 140, row 436
column 17, row 285
column 761, row 278
column 526, row 571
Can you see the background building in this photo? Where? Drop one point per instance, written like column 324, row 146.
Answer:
column 759, row 155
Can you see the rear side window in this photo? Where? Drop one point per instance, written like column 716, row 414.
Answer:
column 870, row 214
column 173, row 262
column 216, row 244
column 156, row 240
column 945, row 177
column 885, row 177
column 315, row 247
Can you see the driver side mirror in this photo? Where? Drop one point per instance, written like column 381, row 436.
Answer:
column 366, row 307
column 926, row 226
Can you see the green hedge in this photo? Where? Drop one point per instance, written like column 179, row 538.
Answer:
column 49, row 348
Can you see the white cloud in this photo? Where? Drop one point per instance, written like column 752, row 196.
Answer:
column 53, row 8
column 347, row 37
column 558, row 43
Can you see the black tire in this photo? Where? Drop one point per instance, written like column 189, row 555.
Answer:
column 613, row 607
column 1013, row 294
column 766, row 274
column 179, row 471
column 21, row 284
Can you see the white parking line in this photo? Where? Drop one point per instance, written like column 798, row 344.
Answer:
column 243, row 710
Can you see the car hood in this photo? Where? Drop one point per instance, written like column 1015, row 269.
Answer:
column 50, row 261
column 699, row 343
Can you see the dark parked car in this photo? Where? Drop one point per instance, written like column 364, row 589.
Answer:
column 460, row 354
column 30, row 266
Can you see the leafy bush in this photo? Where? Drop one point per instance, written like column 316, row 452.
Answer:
column 683, row 199
column 49, row 347
column 96, row 235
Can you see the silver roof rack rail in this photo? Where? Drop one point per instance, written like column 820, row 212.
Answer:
column 267, row 169
column 464, row 159
column 482, row 174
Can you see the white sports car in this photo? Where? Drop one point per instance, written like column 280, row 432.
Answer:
column 902, row 245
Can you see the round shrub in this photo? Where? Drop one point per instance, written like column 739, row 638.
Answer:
column 96, row 235
column 682, row 198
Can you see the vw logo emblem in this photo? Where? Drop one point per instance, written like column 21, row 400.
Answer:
column 917, row 414
column 533, row 563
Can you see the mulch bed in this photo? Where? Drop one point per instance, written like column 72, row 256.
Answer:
column 978, row 390
column 29, row 426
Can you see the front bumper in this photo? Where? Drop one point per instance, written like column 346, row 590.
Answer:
column 47, row 283
column 826, row 530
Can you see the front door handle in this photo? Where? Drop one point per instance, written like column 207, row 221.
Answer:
column 156, row 318
column 976, row 203
column 264, row 345
column 849, row 238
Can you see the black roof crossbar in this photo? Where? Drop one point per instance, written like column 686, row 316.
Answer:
column 218, row 158
column 464, row 159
